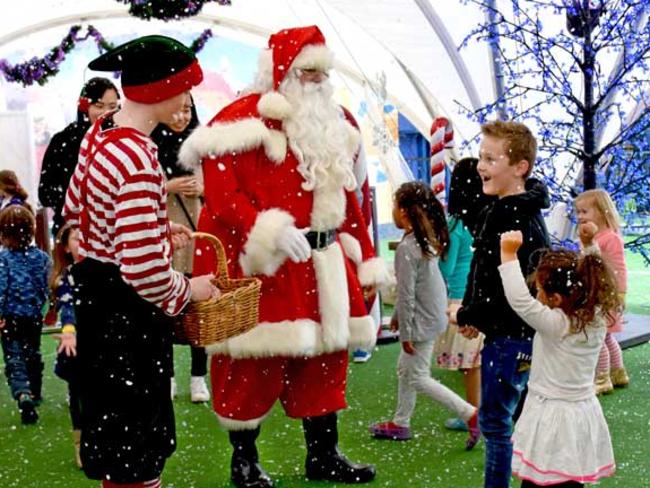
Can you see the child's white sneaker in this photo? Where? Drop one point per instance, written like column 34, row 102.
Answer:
column 173, row 388
column 199, row 390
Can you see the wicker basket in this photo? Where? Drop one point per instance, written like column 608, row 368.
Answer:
column 233, row 313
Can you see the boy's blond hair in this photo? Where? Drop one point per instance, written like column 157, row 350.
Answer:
column 520, row 141
column 602, row 202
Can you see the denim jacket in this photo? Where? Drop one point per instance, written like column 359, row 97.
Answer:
column 23, row 281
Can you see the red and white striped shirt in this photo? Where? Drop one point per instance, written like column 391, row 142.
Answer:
column 121, row 211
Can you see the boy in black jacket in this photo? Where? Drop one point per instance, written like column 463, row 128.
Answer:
column 506, row 159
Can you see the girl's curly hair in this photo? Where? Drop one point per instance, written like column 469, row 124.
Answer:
column 585, row 282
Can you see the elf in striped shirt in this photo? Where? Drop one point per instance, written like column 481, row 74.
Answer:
column 125, row 289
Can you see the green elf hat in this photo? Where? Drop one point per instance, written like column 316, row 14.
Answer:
column 153, row 68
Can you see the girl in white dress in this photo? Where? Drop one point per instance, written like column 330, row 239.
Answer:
column 561, row 438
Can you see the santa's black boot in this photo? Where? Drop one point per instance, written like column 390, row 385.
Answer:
column 245, row 470
column 324, row 460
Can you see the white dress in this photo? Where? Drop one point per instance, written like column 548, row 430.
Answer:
column 562, row 434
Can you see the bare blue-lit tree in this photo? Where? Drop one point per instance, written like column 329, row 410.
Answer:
column 585, row 88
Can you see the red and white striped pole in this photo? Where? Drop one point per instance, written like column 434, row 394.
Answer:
column 442, row 137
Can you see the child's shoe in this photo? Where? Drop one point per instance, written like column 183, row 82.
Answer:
column 603, row 384
column 199, row 390
column 474, row 432
column 28, row 414
column 619, row 377
column 172, row 388
column 361, row 356
column 456, row 424
column 390, row 430
column 76, row 438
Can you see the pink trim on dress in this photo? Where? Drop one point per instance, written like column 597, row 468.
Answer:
column 602, row 472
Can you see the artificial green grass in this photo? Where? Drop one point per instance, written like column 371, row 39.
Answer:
column 42, row 455
column 637, row 299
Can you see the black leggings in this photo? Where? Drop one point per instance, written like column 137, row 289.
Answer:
column 199, row 361
column 75, row 406
column 567, row 484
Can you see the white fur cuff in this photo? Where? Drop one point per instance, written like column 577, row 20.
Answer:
column 363, row 333
column 373, row 272
column 261, row 255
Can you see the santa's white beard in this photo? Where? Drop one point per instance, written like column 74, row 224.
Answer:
column 318, row 135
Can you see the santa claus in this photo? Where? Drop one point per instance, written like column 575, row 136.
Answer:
column 280, row 194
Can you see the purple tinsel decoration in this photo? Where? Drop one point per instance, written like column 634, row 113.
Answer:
column 200, row 41
column 39, row 70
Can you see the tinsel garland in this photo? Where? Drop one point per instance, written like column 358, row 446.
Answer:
column 167, row 9
column 40, row 70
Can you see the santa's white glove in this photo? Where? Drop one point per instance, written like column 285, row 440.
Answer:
column 294, row 244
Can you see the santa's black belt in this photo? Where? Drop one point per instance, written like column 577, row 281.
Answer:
column 321, row 239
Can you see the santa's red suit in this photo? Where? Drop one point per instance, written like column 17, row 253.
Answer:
column 310, row 312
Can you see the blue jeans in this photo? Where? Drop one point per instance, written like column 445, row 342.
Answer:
column 21, row 344
column 505, row 365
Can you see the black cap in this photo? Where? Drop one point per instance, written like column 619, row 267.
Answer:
column 153, row 68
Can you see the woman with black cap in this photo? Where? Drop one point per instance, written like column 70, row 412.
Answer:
column 125, row 288
column 184, row 189
column 98, row 96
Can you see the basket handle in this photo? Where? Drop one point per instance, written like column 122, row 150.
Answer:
column 222, row 266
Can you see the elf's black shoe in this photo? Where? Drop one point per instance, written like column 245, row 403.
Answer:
column 245, row 469
column 324, row 460
column 27, row 409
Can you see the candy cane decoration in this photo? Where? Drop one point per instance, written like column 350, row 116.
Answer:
column 442, row 137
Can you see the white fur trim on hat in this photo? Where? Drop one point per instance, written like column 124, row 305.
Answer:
column 261, row 255
column 274, row 105
column 373, row 272
column 314, row 56
column 232, row 137
column 351, row 247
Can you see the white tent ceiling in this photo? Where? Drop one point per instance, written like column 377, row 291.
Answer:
column 414, row 42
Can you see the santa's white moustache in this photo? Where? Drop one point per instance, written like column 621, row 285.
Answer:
column 317, row 132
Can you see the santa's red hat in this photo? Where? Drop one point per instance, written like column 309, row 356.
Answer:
column 298, row 47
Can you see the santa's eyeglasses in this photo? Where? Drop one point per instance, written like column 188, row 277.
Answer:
column 311, row 73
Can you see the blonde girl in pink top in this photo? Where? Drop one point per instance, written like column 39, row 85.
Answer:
column 597, row 206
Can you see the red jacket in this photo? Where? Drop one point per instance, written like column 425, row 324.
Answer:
column 253, row 192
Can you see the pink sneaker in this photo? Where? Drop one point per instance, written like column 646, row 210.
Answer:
column 389, row 430
column 474, row 432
